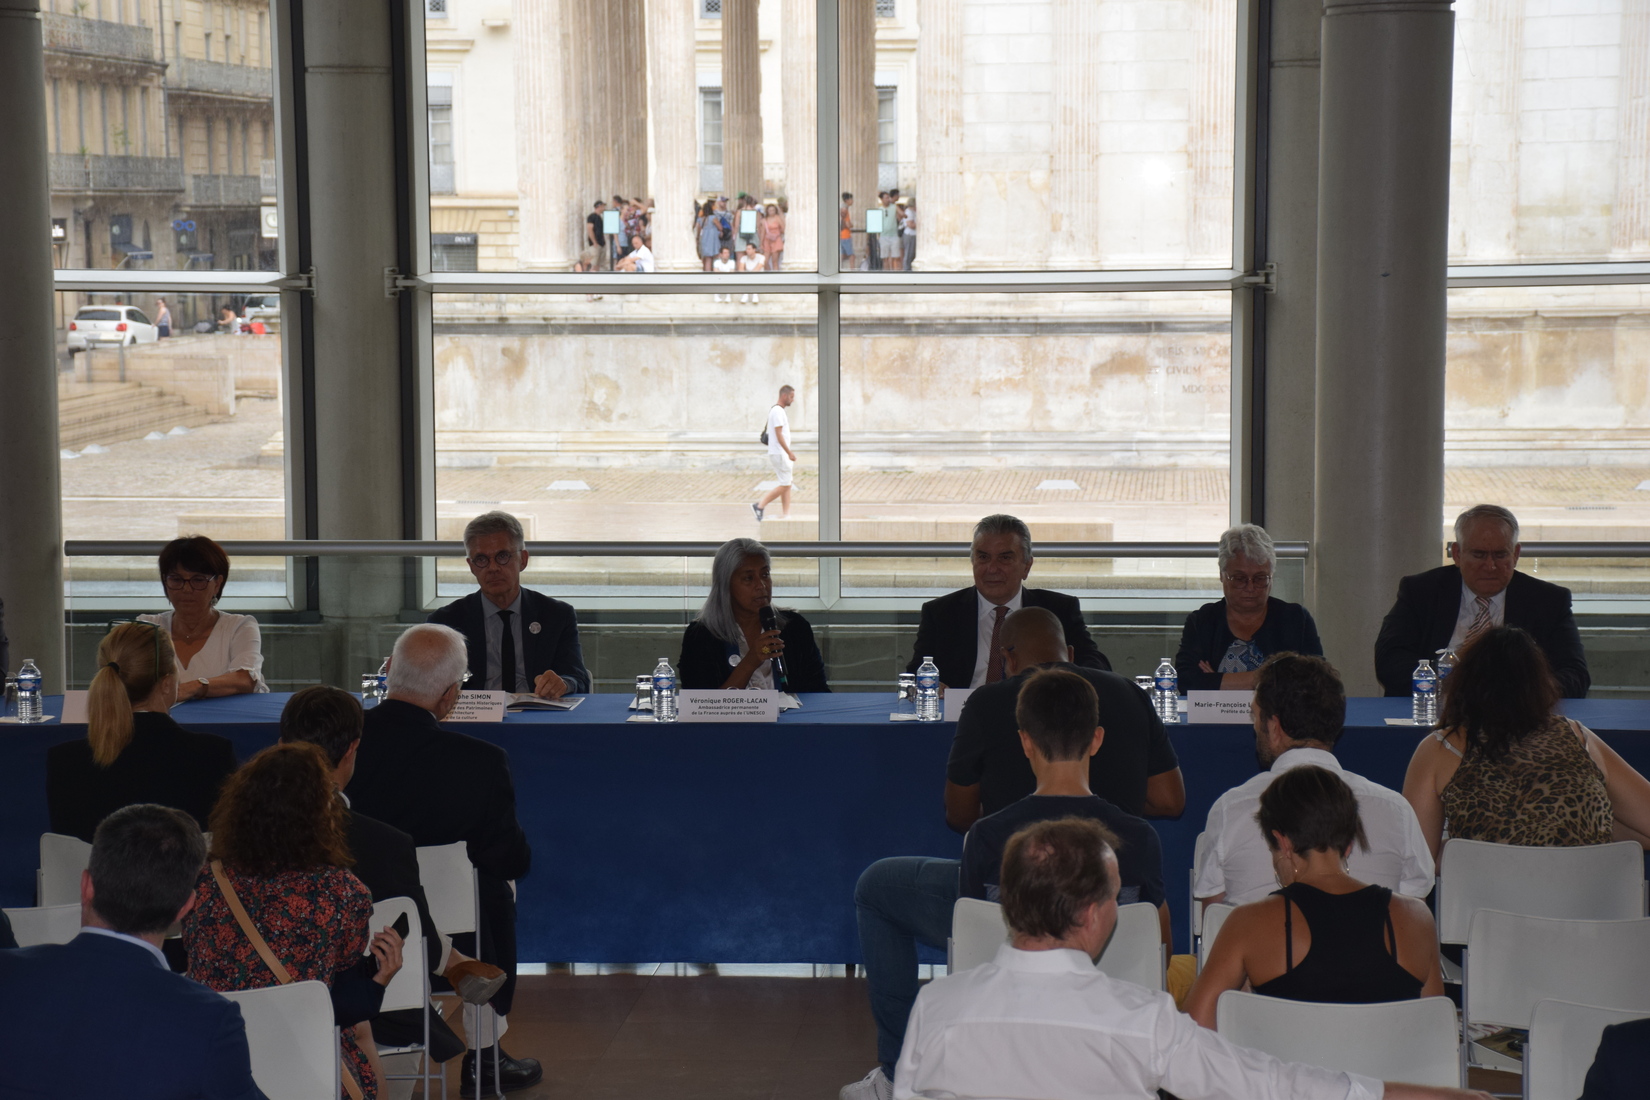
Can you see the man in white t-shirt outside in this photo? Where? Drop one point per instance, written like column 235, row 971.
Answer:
column 779, row 454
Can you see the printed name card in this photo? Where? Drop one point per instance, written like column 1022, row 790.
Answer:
column 479, row 706
column 728, row 706
column 74, row 708
column 953, row 701
column 1230, row 708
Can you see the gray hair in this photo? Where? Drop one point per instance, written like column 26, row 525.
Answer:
column 717, row 614
column 427, row 660
column 1486, row 511
column 1000, row 524
column 1247, row 540
column 494, row 523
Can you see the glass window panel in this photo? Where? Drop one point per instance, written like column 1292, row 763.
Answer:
column 1051, row 134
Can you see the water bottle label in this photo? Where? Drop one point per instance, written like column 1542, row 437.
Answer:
column 1424, row 687
column 928, row 683
column 1167, row 683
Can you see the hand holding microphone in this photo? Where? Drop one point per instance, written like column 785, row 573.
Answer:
column 776, row 665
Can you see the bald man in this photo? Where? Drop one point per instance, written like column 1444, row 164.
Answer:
column 1135, row 770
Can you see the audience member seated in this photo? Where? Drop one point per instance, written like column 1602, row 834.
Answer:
column 517, row 640
column 1040, row 1020
column 1503, row 767
column 1449, row 606
column 1622, row 1065
column 279, row 850
column 440, row 787
column 727, row 646
column 963, row 631
column 102, row 1015
column 1299, row 709
column 1224, row 643
column 904, row 901
column 1352, row 944
column 133, row 751
column 218, row 653
column 1135, row 769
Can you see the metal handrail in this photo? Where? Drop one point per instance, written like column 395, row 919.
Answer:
column 303, row 548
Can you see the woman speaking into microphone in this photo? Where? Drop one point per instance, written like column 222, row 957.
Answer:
column 740, row 640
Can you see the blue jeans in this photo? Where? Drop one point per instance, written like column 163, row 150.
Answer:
column 900, row 902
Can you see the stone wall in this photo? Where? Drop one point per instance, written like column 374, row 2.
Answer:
column 206, row 371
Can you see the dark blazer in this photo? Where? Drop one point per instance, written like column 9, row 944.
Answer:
column 1621, row 1067
column 950, row 626
column 1428, row 605
column 386, row 862
column 440, row 787
column 704, row 660
column 102, row 1017
column 1205, row 637
column 555, row 646
column 163, row 763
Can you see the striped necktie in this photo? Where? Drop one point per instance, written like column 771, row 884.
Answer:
column 994, row 666
column 1480, row 621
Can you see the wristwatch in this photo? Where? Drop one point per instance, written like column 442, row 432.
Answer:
column 206, row 688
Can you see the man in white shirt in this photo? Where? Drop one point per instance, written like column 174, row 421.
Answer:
column 1040, row 1020
column 639, row 260
column 780, row 455
column 1298, row 712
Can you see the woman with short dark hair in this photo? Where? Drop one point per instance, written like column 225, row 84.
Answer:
column 1323, row 936
column 218, row 653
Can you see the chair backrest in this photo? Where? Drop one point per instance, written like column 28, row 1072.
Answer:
column 62, row 858
column 1563, row 1040
column 977, row 930
column 1213, row 918
column 1514, row 961
column 1135, row 953
column 1199, row 846
column 449, row 886
column 293, row 1042
column 408, row 988
column 45, row 924
column 1413, row 1041
column 1596, row 882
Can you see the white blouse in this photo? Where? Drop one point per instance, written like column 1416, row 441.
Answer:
column 233, row 646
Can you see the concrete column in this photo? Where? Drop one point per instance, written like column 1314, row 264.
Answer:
column 940, row 216
column 607, row 135
column 1383, row 204
column 627, row 84
column 31, row 558
column 857, row 40
column 799, row 95
column 552, row 212
column 1630, row 236
column 672, row 93
column 1074, row 177
column 1209, row 129
column 1485, row 133
column 741, row 99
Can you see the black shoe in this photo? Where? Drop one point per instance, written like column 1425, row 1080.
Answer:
column 513, row 1073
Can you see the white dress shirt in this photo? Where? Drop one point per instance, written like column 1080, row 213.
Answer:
column 1469, row 612
column 988, row 619
column 160, row 957
column 234, row 645
column 1047, row 1024
column 1237, row 862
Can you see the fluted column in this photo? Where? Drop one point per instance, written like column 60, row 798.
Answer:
column 1074, row 180
column 940, row 220
column 1209, row 130
column 551, row 215
column 625, row 61
column 607, row 139
column 1630, row 227
column 799, row 96
column 857, row 38
column 671, row 96
column 741, row 99
column 1485, row 196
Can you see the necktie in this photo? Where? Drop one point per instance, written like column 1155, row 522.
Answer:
column 1480, row 621
column 506, row 653
column 994, row 667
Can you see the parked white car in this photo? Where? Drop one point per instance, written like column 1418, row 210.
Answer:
column 110, row 326
column 265, row 308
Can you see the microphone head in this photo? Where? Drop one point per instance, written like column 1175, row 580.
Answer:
column 766, row 616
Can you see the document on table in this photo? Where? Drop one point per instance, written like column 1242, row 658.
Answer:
column 529, row 701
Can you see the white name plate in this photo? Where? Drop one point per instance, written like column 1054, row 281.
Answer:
column 74, row 708
column 727, row 706
column 954, row 699
column 1230, row 708
column 479, row 706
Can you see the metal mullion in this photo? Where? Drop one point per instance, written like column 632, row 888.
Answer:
column 1246, row 419
column 828, row 303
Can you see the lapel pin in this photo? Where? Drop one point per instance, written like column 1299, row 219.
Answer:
column 533, row 628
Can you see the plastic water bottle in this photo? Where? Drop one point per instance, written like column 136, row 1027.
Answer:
column 30, row 705
column 381, row 682
column 928, row 691
column 1166, row 692
column 1424, row 693
column 1446, row 665
column 664, row 691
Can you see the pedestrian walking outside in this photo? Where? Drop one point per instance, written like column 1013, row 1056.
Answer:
column 780, row 455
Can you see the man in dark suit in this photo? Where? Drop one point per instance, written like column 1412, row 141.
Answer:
column 1449, row 606
column 103, row 1015
column 958, row 630
column 441, row 787
column 516, row 639
column 1621, row 1067
column 1135, row 769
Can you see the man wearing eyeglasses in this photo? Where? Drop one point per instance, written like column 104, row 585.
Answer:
column 518, row 640
column 1450, row 606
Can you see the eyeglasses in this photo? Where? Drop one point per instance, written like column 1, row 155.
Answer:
column 1242, row 580
column 500, row 559
column 1484, row 557
column 177, row 582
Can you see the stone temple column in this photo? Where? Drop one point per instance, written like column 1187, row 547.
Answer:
column 625, row 70
column 857, row 38
column 671, row 95
column 940, row 215
column 607, row 134
column 799, row 95
column 741, row 99
column 1074, row 180
column 1485, row 196
column 31, row 499
column 552, row 218
column 1209, row 131
column 1383, row 204
column 1630, row 226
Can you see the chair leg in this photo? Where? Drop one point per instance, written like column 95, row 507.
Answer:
column 1464, row 1016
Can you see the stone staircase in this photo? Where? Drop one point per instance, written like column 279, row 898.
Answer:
column 110, row 412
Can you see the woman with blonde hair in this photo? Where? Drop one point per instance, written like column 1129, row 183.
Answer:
column 133, row 752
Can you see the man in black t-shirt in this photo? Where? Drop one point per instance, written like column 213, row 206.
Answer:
column 1135, row 769
column 595, row 238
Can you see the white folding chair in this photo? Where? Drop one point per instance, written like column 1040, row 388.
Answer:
column 1213, row 918
column 977, row 930
column 1564, row 1038
column 1513, row 962
column 1194, row 911
column 1135, row 953
column 1413, row 1041
column 292, row 1038
column 410, row 988
column 1596, row 882
column 45, row 924
column 62, row 858
column 453, row 891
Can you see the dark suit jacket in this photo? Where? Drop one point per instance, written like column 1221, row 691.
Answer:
column 163, row 763
column 440, row 787
column 101, row 1017
column 1205, row 637
column 1424, row 616
column 704, row 660
column 555, row 646
column 950, row 626
column 386, row 862
column 1621, row 1068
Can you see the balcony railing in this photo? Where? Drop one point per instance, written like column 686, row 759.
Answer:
column 219, row 78
column 212, row 190
column 72, row 34
column 267, row 178
column 72, row 173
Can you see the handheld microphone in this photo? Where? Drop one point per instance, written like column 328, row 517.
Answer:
column 770, row 621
